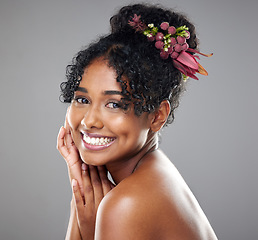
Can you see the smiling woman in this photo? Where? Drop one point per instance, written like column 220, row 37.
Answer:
column 101, row 130
column 122, row 91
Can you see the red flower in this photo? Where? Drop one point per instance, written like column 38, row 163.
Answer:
column 186, row 63
column 172, row 43
column 136, row 23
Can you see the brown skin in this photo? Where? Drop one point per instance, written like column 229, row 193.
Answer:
column 99, row 115
column 153, row 203
column 92, row 185
column 150, row 200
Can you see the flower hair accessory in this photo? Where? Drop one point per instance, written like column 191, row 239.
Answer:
column 172, row 43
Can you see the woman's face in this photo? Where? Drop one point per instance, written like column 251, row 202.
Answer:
column 102, row 131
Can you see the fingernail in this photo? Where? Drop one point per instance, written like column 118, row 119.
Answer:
column 84, row 167
column 60, row 129
column 74, row 183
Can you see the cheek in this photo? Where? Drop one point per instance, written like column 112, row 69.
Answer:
column 120, row 124
column 74, row 117
column 128, row 126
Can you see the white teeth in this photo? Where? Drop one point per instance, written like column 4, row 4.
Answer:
column 96, row 140
column 92, row 141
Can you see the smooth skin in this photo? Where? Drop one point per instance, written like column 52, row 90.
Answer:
column 150, row 199
column 91, row 186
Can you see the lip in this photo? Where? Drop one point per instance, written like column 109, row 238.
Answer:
column 95, row 147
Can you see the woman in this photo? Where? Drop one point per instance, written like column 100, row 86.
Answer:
column 123, row 90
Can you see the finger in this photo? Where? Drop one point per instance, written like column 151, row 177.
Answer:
column 61, row 143
column 79, row 204
column 66, row 124
column 68, row 138
column 75, row 172
column 70, row 154
column 64, row 148
column 88, row 189
column 106, row 184
column 70, row 143
column 71, row 157
column 96, row 184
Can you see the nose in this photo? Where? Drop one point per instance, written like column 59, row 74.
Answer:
column 92, row 119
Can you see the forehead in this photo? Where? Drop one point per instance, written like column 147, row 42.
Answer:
column 99, row 75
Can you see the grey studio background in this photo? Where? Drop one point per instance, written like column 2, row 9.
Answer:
column 213, row 141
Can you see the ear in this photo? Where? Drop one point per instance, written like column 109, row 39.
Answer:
column 160, row 116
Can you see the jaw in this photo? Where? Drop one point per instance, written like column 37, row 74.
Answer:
column 123, row 169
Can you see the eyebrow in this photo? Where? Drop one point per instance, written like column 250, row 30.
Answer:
column 81, row 89
column 112, row 92
column 108, row 92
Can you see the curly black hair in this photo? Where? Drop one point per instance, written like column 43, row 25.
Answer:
column 151, row 78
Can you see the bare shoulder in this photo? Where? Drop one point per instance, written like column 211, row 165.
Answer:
column 124, row 214
column 153, row 203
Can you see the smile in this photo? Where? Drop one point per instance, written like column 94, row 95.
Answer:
column 97, row 141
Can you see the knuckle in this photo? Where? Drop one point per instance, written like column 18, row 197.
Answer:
column 88, row 189
column 96, row 182
column 90, row 214
column 105, row 181
column 77, row 200
column 83, row 221
column 87, row 219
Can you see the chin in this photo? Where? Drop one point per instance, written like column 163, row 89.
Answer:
column 92, row 160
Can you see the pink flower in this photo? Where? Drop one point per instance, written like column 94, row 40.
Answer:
column 173, row 41
column 172, row 30
column 163, row 54
column 187, row 34
column 170, row 50
column 136, row 23
column 159, row 44
column 159, row 36
column 150, row 37
column 180, row 40
column 185, row 46
column 178, row 48
column 164, row 26
column 187, row 64
column 174, row 55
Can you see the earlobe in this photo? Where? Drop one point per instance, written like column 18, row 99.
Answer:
column 160, row 116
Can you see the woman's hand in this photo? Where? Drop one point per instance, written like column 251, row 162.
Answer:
column 68, row 150
column 95, row 185
column 70, row 153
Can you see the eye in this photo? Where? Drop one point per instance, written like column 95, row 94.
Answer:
column 113, row 105
column 81, row 100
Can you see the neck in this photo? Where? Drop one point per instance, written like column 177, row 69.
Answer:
column 123, row 169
